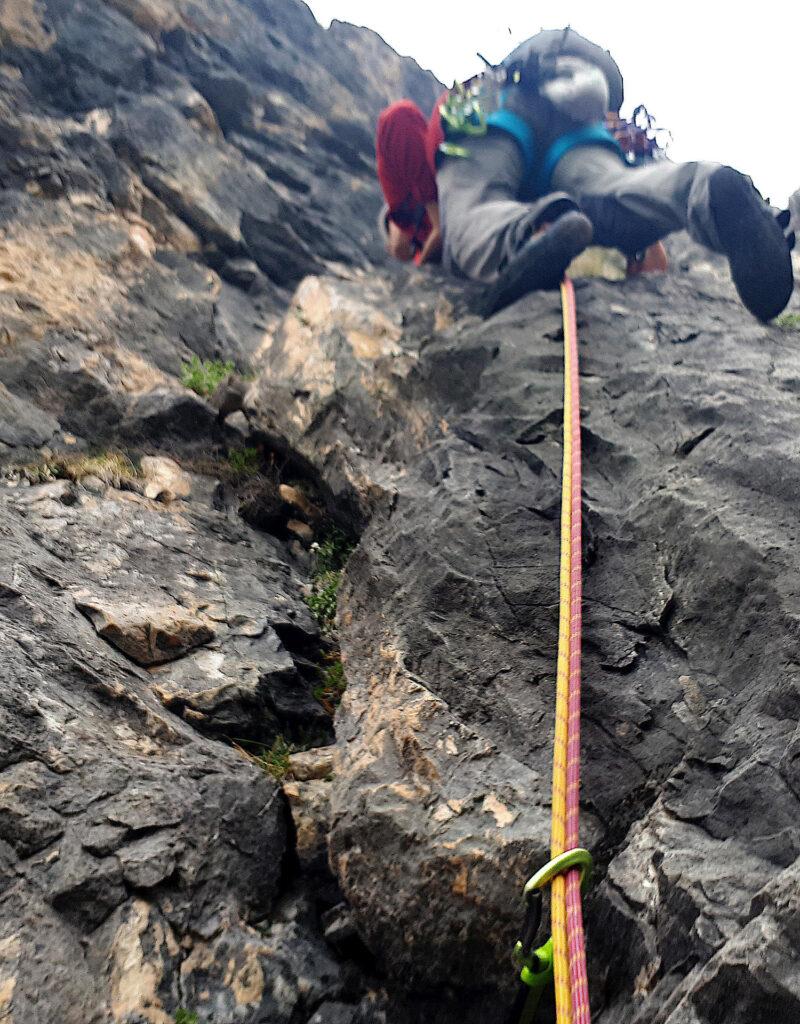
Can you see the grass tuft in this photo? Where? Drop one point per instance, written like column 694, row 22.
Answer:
column 204, row 375
column 788, row 321
column 185, row 1016
column 245, row 463
column 273, row 760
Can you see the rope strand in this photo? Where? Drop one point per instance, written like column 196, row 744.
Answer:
column 569, row 954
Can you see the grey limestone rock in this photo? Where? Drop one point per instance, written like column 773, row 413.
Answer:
column 171, row 173
column 448, row 619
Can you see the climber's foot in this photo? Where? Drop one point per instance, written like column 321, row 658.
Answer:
column 754, row 243
column 541, row 262
column 784, row 219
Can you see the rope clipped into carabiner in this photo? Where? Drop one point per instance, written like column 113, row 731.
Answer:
column 564, row 956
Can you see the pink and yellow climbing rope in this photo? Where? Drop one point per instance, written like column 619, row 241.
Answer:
column 562, row 958
column 569, row 953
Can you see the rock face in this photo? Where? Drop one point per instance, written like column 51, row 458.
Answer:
column 168, row 173
column 195, row 179
column 449, row 624
column 107, row 800
column 150, row 151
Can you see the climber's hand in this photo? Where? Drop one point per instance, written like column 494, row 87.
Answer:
column 398, row 243
column 432, row 249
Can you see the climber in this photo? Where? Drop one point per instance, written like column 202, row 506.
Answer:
column 406, row 149
column 407, row 154
column 544, row 154
column 410, row 218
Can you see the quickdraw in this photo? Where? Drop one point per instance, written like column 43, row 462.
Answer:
column 563, row 957
column 466, row 108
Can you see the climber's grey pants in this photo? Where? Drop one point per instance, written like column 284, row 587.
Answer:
column 483, row 222
column 632, row 207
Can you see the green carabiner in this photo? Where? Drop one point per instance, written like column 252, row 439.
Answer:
column 462, row 112
column 577, row 858
column 536, row 974
column 536, row 968
column 451, row 149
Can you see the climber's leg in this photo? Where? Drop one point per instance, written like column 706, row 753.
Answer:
column 541, row 262
column 632, row 207
column 483, row 223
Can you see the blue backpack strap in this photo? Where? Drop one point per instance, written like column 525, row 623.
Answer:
column 507, row 121
column 588, row 135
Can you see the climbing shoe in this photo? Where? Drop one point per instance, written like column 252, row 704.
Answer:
column 784, row 219
column 754, row 243
column 541, row 262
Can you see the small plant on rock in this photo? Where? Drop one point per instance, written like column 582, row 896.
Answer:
column 789, row 321
column 330, row 690
column 244, row 462
column 331, row 558
column 333, row 552
column 185, row 1017
column 323, row 599
column 204, row 375
column 275, row 761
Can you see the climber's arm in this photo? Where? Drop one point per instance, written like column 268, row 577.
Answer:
column 432, row 249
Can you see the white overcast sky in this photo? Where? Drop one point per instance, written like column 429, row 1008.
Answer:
column 724, row 77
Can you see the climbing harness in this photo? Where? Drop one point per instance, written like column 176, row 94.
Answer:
column 586, row 135
column 562, row 958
